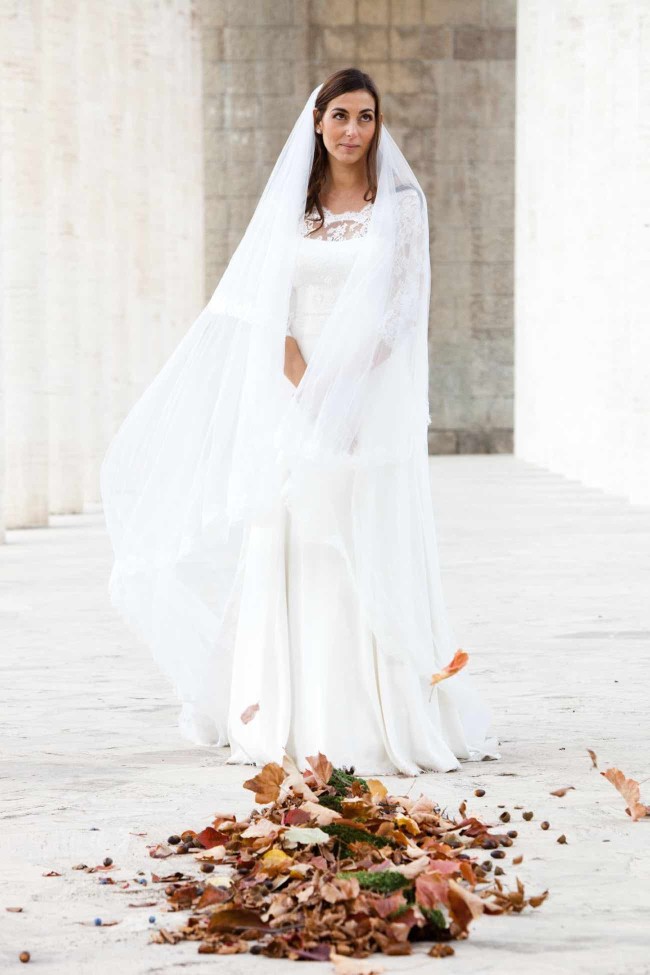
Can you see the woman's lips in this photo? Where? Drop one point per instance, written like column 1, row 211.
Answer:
column 346, row 146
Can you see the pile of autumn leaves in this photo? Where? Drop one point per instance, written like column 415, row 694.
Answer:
column 334, row 867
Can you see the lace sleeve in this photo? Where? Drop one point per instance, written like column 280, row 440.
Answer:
column 404, row 294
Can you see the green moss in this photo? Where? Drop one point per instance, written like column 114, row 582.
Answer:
column 435, row 917
column 342, row 781
column 353, row 834
column 381, row 881
column 332, row 802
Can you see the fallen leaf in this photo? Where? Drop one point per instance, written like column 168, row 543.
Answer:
column 629, row 789
column 262, row 827
column 464, row 906
column 563, row 791
column 266, row 784
column 322, row 768
column 593, row 758
column 210, row 837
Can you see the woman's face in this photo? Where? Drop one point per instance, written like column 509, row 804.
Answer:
column 348, row 125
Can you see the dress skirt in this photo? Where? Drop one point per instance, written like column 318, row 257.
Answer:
column 307, row 676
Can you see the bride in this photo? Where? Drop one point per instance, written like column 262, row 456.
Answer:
column 268, row 496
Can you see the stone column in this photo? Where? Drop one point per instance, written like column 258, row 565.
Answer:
column 583, row 240
column 24, row 337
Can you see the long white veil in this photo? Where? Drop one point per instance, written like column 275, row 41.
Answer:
column 221, row 436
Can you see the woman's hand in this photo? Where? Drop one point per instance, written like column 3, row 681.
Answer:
column 294, row 364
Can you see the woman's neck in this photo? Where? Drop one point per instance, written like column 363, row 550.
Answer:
column 345, row 186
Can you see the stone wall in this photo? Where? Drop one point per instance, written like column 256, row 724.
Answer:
column 446, row 71
column 101, row 246
column 583, row 242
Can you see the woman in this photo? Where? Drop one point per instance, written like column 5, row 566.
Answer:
column 268, row 496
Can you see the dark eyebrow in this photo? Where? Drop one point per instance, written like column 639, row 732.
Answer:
column 338, row 108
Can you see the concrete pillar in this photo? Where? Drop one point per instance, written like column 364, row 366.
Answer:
column 583, row 242
column 101, row 246
column 23, row 244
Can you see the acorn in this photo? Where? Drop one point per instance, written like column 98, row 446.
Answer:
column 489, row 843
column 506, row 841
column 24, row 956
column 107, row 861
column 479, row 792
column 499, row 871
column 561, row 839
column 174, row 840
column 513, row 834
column 187, row 835
column 505, row 817
column 527, row 816
column 207, row 867
column 487, row 865
column 545, row 824
column 497, row 854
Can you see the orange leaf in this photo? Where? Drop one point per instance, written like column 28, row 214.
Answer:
column 629, row 789
column 464, row 906
column 459, row 660
column 266, row 784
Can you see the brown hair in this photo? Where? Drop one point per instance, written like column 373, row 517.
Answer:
column 347, row 79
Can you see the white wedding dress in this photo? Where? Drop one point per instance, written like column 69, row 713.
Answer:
column 305, row 662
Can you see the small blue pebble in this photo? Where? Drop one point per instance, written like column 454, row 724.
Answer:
column 98, row 920
column 152, row 919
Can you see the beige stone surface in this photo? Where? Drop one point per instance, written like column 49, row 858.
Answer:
column 546, row 586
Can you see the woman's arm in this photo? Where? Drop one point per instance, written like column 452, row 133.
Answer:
column 294, row 364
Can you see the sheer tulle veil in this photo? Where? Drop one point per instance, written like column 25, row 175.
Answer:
column 204, row 452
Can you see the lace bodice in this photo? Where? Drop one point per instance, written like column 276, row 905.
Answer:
column 321, row 269
column 323, row 262
column 337, row 226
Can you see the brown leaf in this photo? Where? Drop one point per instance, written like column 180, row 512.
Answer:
column 464, row 906
column 233, row 919
column 431, row 890
column 213, row 895
column 322, row 768
column 266, row 784
column 563, row 791
column 249, row 713
column 209, row 837
column 51, row 873
column 629, row 789
column 594, row 760
column 16, row 910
